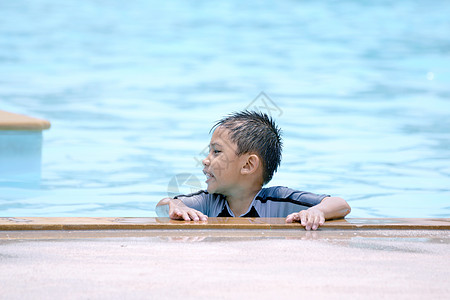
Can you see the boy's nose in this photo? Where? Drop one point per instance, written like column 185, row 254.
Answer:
column 205, row 161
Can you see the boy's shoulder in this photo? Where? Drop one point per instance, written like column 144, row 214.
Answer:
column 286, row 194
column 276, row 191
column 201, row 196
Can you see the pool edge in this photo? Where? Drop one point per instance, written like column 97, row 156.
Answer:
column 119, row 223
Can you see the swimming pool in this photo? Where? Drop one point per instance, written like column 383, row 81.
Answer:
column 361, row 91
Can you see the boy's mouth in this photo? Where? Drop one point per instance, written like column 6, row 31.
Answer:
column 209, row 176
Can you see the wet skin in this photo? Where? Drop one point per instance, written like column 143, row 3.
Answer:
column 237, row 178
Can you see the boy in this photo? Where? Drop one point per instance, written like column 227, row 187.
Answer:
column 245, row 151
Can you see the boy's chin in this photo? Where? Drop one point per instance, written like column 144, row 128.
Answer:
column 210, row 189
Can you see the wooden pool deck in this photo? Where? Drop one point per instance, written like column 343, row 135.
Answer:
column 117, row 223
column 12, row 121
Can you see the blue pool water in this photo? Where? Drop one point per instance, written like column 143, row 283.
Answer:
column 361, row 90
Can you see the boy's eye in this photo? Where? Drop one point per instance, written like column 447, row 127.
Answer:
column 216, row 151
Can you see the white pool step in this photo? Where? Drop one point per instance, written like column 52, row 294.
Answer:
column 20, row 148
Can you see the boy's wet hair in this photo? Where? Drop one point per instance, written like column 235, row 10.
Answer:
column 255, row 132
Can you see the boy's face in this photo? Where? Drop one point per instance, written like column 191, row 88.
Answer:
column 222, row 166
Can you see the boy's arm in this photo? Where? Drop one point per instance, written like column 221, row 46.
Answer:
column 329, row 208
column 177, row 210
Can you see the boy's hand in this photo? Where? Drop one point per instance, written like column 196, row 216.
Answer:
column 179, row 211
column 311, row 218
column 329, row 208
column 182, row 212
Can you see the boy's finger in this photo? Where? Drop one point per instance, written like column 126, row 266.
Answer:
column 290, row 218
column 193, row 215
column 322, row 220
column 202, row 216
column 303, row 218
column 174, row 214
column 186, row 216
column 309, row 223
column 315, row 224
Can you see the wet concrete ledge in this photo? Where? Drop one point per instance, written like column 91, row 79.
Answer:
column 90, row 223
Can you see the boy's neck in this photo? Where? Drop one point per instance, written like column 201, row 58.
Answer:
column 240, row 202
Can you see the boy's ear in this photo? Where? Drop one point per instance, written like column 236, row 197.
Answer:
column 251, row 164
